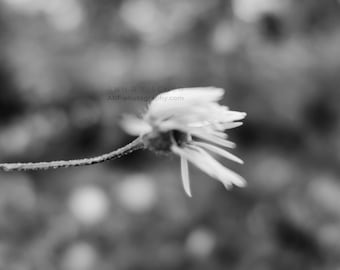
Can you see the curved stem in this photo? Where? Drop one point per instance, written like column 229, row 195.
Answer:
column 133, row 146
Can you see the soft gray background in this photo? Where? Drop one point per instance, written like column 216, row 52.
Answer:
column 62, row 60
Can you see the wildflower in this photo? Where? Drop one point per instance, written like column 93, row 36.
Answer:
column 189, row 122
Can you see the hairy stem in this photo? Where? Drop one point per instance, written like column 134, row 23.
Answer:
column 32, row 166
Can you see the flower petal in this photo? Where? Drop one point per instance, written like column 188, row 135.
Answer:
column 193, row 94
column 134, row 126
column 172, row 102
column 219, row 151
column 185, row 176
column 231, row 125
column 214, row 139
column 195, row 158
column 209, row 165
column 225, row 175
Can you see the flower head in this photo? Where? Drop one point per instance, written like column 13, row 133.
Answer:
column 189, row 122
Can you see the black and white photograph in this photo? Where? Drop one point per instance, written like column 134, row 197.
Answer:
column 169, row 135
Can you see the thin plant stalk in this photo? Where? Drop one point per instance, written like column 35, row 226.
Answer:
column 33, row 166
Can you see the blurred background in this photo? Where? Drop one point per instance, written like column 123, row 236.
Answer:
column 61, row 64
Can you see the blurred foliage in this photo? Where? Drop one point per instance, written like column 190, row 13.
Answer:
column 61, row 60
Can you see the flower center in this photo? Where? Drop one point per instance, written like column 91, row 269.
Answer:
column 161, row 141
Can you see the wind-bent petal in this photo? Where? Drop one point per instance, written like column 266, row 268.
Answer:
column 199, row 94
column 134, row 126
column 195, row 158
column 192, row 95
column 209, row 165
column 185, row 176
column 214, row 139
column 168, row 103
column 226, row 176
column 219, row 151
column 231, row 125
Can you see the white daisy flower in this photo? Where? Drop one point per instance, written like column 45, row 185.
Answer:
column 189, row 122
